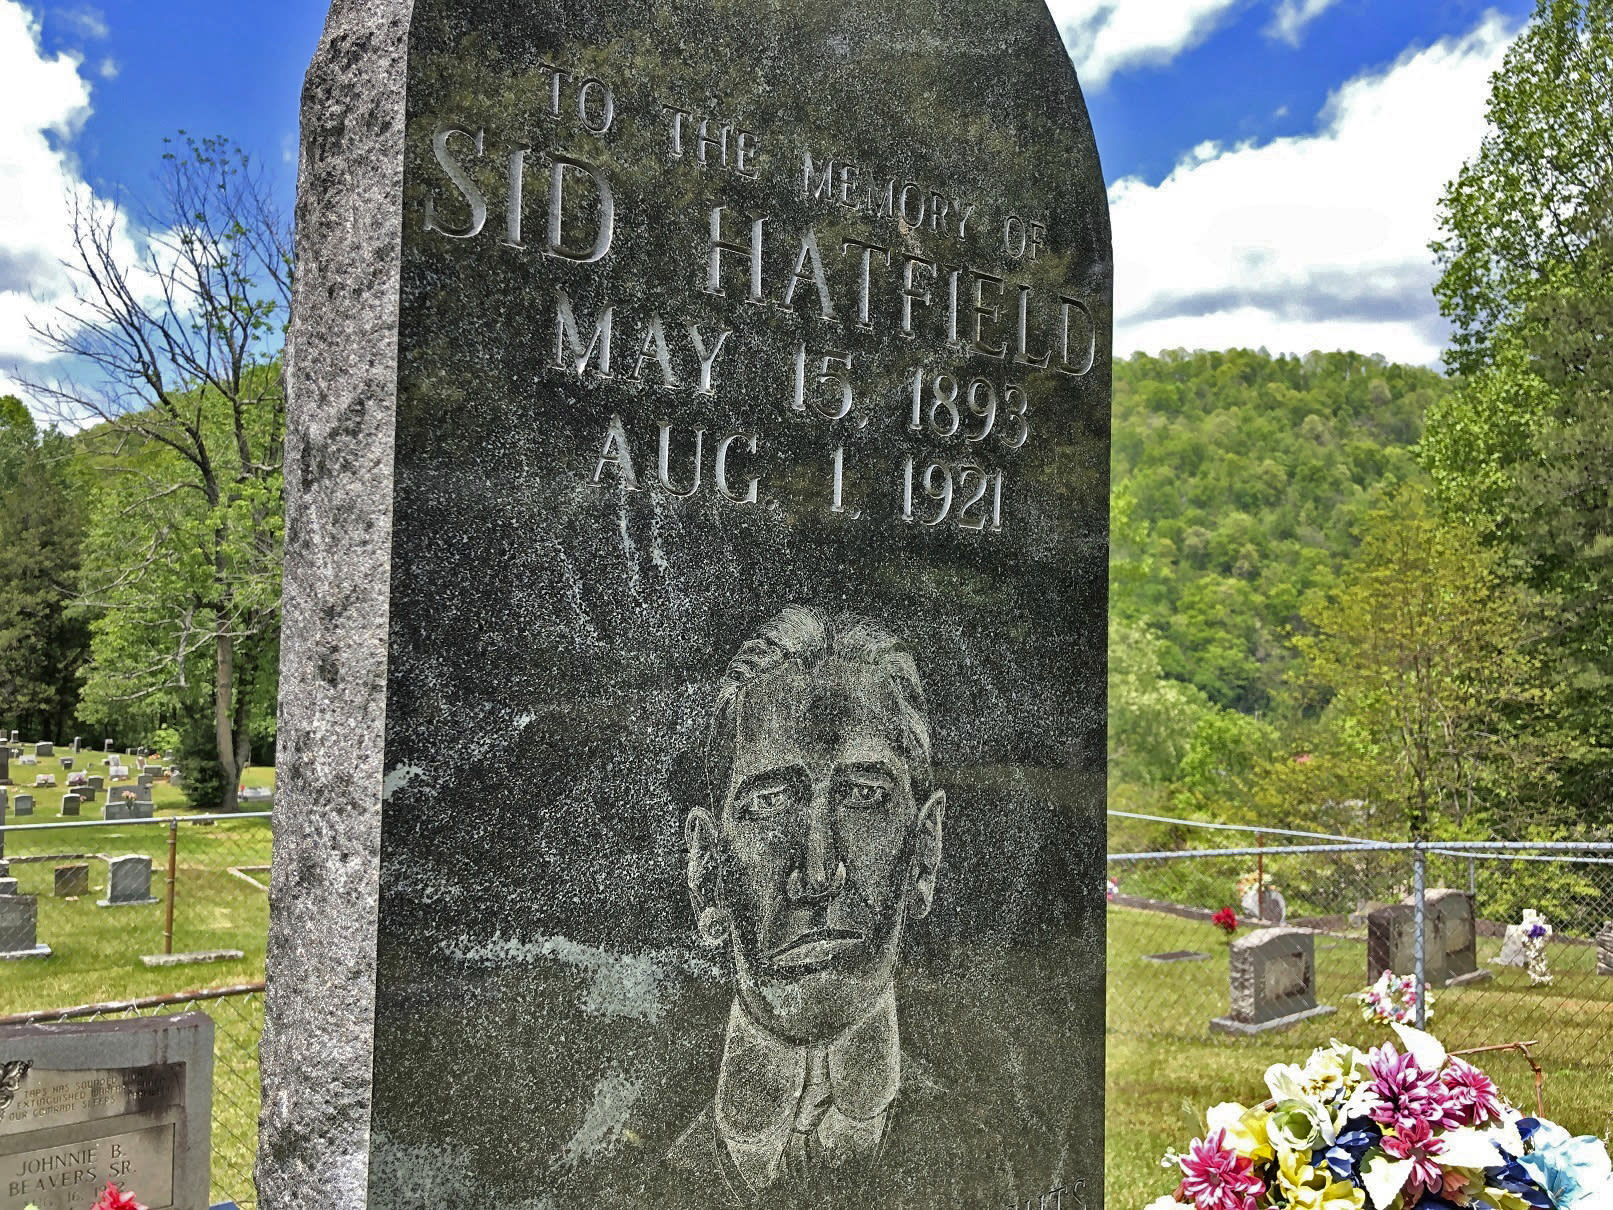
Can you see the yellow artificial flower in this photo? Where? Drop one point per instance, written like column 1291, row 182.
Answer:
column 1245, row 1130
column 1308, row 1188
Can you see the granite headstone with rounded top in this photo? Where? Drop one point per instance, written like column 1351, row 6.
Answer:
column 703, row 407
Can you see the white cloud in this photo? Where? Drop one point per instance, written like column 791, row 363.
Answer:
column 1107, row 36
column 109, row 69
column 44, row 103
column 1292, row 16
column 85, row 21
column 1313, row 242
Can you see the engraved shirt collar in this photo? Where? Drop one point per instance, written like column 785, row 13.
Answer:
column 763, row 1076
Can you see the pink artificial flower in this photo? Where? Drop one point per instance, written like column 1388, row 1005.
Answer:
column 1471, row 1096
column 113, row 1199
column 1218, row 1178
column 1405, row 1094
column 1416, row 1142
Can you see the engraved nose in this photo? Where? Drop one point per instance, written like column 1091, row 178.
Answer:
column 820, row 874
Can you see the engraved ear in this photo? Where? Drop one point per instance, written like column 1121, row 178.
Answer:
column 700, row 839
column 927, row 852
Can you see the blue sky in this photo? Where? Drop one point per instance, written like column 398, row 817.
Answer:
column 1274, row 164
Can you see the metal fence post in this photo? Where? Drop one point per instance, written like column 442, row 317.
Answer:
column 1419, row 865
column 1260, row 877
column 173, row 870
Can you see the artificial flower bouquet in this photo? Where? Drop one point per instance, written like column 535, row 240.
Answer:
column 1393, row 1000
column 1419, row 1130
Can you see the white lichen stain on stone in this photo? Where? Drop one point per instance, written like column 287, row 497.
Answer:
column 623, row 985
column 397, row 778
column 603, row 1125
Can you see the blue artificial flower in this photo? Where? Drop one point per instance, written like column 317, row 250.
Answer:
column 1358, row 1137
column 1513, row 1177
column 1573, row 1171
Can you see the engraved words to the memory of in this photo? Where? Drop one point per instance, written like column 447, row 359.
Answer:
column 978, row 333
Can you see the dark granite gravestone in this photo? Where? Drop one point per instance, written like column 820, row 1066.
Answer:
column 22, row 806
column 19, row 928
column 5, row 766
column 1452, row 919
column 124, row 1101
column 72, row 881
column 1391, row 942
column 70, row 805
column 128, row 882
column 44, row 748
column 705, row 406
column 1273, row 982
column 95, row 781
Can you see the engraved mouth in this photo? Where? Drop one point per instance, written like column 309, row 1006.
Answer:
column 813, row 949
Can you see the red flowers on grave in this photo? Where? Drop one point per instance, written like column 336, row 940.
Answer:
column 1226, row 920
column 112, row 1199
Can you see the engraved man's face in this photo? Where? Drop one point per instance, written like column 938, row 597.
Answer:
column 819, row 851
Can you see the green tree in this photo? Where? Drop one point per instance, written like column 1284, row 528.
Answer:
column 1151, row 717
column 43, row 637
column 184, row 407
column 1422, row 647
column 1512, row 223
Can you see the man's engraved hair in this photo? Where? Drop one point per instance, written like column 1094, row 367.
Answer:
column 802, row 638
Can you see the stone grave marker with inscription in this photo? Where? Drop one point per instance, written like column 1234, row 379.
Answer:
column 70, row 804
column 19, row 928
column 72, row 881
column 22, row 806
column 95, row 781
column 8, row 886
column 128, row 1102
column 128, row 882
column 1452, row 917
column 711, row 403
column 1392, row 942
column 44, row 748
column 1273, row 982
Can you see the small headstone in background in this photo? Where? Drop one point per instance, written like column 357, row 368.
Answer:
column 5, row 766
column 8, row 887
column 1451, row 918
column 27, row 758
column 23, row 806
column 257, row 794
column 76, row 740
column 143, row 779
column 19, row 933
column 109, row 745
column 1604, row 950
column 1512, row 950
column 116, row 771
column 44, row 781
column 70, row 804
column 44, row 748
column 1272, row 982
column 129, row 1101
column 95, row 781
column 128, row 882
column 1270, row 907
column 1392, row 943
column 67, row 762
column 72, row 881
column 14, row 737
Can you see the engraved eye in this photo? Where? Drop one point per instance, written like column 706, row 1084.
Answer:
column 865, row 795
column 770, row 801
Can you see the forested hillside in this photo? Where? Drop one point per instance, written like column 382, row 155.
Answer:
column 1240, row 482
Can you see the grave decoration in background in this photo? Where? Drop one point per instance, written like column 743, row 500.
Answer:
column 1272, row 976
column 703, row 409
column 129, row 1101
column 1392, row 1000
column 1263, row 902
column 1419, row 1127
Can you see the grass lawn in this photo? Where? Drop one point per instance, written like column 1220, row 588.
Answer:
column 96, row 952
column 1165, row 1068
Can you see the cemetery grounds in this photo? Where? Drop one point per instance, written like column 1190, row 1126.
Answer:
column 221, row 902
column 1165, row 1067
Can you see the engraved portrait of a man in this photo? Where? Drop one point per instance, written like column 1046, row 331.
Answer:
column 821, row 841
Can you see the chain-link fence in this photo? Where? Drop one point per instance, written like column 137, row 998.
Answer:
column 237, row 1014
column 126, row 915
column 1515, row 943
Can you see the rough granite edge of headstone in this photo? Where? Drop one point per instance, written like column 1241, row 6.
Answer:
column 342, row 385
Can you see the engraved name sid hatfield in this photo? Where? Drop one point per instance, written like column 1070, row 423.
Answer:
column 979, row 336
